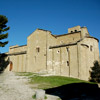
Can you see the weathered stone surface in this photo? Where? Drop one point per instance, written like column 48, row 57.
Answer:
column 40, row 95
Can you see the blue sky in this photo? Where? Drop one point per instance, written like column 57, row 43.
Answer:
column 25, row 16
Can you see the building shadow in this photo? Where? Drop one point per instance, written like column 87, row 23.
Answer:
column 76, row 91
column 4, row 61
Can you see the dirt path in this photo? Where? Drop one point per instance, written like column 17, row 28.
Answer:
column 14, row 87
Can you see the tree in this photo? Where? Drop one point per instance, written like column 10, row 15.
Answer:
column 3, row 62
column 95, row 73
column 3, row 28
column 3, row 35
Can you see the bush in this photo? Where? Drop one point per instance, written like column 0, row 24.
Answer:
column 95, row 73
column 3, row 63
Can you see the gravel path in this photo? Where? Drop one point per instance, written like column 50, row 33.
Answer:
column 14, row 87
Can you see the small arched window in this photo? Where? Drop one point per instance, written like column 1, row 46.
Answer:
column 71, row 31
column 75, row 30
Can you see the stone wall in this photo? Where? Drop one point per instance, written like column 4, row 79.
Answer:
column 37, row 51
column 17, row 55
column 88, row 53
column 68, row 38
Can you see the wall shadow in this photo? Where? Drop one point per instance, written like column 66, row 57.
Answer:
column 3, row 62
column 76, row 91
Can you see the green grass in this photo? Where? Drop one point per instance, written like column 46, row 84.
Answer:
column 34, row 96
column 45, row 82
column 53, row 81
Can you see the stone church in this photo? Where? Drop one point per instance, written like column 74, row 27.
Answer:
column 70, row 54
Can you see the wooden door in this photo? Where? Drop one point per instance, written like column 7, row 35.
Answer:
column 11, row 66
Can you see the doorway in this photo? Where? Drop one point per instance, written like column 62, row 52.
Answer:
column 11, row 66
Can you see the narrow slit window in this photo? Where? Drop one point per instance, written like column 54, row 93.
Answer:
column 38, row 49
column 67, row 49
column 67, row 63
column 91, row 48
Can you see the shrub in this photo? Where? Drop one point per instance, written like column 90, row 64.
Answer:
column 95, row 72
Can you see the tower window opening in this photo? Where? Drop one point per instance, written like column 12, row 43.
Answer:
column 71, row 31
column 75, row 30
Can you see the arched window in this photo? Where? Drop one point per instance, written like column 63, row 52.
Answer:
column 75, row 30
column 71, row 31
column 37, row 49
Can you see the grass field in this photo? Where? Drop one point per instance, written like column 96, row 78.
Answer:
column 45, row 82
column 66, row 88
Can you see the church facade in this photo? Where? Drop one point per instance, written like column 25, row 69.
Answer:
column 70, row 54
